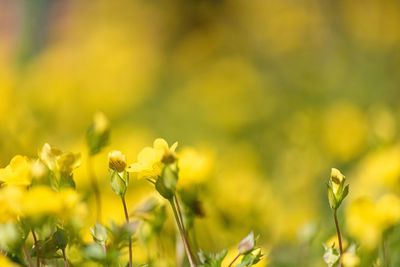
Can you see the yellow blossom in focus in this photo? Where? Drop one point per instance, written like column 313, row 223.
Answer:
column 58, row 161
column 168, row 153
column 337, row 178
column 18, row 172
column 10, row 203
column 150, row 159
column 5, row 262
column 194, row 166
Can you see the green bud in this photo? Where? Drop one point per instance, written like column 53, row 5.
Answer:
column 119, row 182
column 166, row 183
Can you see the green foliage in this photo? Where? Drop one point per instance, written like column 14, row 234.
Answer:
column 212, row 259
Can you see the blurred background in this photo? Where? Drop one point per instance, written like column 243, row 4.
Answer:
column 265, row 97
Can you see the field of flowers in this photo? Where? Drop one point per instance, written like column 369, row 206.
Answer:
column 199, row 133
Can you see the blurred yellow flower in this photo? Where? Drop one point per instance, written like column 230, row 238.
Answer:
column 58, row 161
column 42, row 201
column 333, row 242
column 195, row 166
column 10, row 203
column 5, row 262
column 18, row 172
column 350, row 260
column 150, row 159
column 345, row 131
column 367, row 220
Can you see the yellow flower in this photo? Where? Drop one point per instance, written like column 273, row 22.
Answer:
column 168, row 153
column 5, row 262
column 10, row 203
column 334, row 242
column 40, row 200
column 116, row 161
column 367, row 220
column 58, row 161
column 337, row 178
column 150, row 159
column 18, row 172
column 350, row 260
column 195, row 166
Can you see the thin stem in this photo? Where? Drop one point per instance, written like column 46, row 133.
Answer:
column 35, row 240
column 65, row 258
column 233, row 261
column 182, row 233
column 27, row 256
column 178, row 207
column 151, row 181
column 339, row 236
column 127, row 221
column 385, row 252
column 96, row 188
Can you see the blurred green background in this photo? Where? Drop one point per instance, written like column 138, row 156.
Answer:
column 272, row 93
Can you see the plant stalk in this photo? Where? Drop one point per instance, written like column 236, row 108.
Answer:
column 65, row 258
column 127, row 221
column 35, row 240
column 181, row 229
column 96, row 188
column 233, row 261
column 339, row 236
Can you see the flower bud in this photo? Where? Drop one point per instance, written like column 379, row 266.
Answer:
column 337, row 191
column 247, row 244
column 116, row 161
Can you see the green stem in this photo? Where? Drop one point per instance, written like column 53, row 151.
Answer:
column 127, row 221
column 65, row 258
column 233, row 261
column 27, row 256
column 96, row 188
column 181, row 229
column 339, row 236
column 385, row 252
column 35, row 240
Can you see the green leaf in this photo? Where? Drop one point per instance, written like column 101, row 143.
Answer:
column 61, row 237
column 251, row 258
column 212, row 259
column 332, row 199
